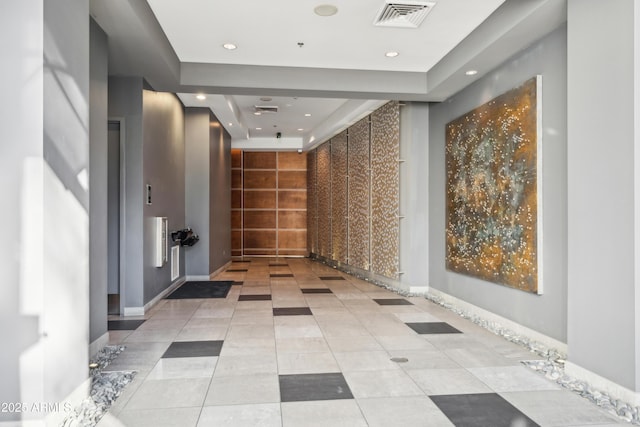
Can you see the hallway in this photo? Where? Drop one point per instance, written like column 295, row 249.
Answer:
column 297, row 343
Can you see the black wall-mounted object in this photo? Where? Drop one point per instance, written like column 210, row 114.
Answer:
column 186, row 237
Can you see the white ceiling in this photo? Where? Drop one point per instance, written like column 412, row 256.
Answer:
column 268, row 34
column 339, row 75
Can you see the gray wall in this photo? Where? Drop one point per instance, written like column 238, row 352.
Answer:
column 197, row 147
column 220, row 196
column 125, row 101
column 545, row 313
column 603, row 187
column 208, row 191
column 98, row 97
column 164, row 170
column 414, row 194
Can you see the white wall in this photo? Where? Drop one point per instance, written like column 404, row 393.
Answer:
column 545, row 313
column 603, row 189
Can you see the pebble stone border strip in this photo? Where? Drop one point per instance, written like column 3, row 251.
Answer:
column 552, row 367
column 105, row 389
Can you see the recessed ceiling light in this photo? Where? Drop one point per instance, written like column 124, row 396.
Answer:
column 391, row 54
column 307, row 115
column 265, row 99
column 229, row 46
column 201, row 97
column 471, row 72
column 258, row 128
column 300, row 130
column 325, row 10
column 230, row 124
column 257, row 113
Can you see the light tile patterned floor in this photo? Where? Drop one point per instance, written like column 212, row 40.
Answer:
column 318, row 352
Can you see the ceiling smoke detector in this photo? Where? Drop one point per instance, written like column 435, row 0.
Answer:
column 406, row 14
column 265, row 109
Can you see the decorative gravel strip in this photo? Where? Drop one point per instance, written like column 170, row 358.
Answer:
column 554, row 370
column 552, row 367
column 105, row 389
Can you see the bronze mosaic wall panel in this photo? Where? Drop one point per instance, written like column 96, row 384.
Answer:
column 492, row 190
column 359, row 194
column 312, row 203
column 385, row 189
column 324, row 199
column 339, row 191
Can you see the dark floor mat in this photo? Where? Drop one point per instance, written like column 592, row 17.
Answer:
column 205, row 289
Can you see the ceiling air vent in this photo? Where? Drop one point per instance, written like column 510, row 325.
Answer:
column 266, row 108
column 407, row 14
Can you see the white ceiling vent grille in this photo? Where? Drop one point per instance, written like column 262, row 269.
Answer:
column 408, row 14
column 266, row 108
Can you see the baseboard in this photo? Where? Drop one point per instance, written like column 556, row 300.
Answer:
column 179, row 281
column 140, row 311
column 220, row 270
column 98, row 344
column 133, row 311
column 600, row 383
column 196, row 278
column 503, row 321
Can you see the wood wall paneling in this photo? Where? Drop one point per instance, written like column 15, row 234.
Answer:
column 292, row 219
column 258, row 199
column 256, row 179
column 236, row 219
column 236, row 178
column 259, row 219
column 385, row 188
column 236, row 199
column 359, row 194
column 292, row 200
column 291, row 160
column 259, row 160
column 236, row 159
column 274, row 190
column 292, row 180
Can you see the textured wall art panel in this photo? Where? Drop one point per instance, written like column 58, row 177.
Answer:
column 312, row 203
column 492, row 190
column 385, row 189
column 339, row 191
column 324, row 199
column 359, row 193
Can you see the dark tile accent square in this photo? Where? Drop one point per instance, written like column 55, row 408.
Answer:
column 279, row 265
column 316, row 291
column 393, row 301
column 433, row 328
column 193, row 349
column 123, row 325
column 239, row 262
column 237, row 270
column 306, row 387
column 332, row 278
column 292, row 311
column 477, row 410
column 238, row 283
column 281, row 275
column 254, row 298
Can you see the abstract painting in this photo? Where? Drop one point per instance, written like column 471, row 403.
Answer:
column 492, row 190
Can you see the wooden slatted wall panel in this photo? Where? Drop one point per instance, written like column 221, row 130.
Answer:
column 292, row 204
column 236, row 203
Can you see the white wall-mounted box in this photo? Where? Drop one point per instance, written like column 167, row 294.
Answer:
column 160, row 236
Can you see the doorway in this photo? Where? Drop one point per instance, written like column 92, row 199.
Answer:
column 113, row 217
